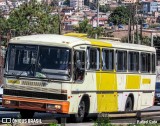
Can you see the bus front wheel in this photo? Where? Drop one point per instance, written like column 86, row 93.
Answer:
column 26, row 114
column 129, row 104
column 81, row 112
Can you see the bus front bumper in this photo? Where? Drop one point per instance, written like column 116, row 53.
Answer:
column 53, row 106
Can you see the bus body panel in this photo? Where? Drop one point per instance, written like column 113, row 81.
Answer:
column 107, row 90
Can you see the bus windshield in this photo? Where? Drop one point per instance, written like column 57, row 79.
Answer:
column 39, row 61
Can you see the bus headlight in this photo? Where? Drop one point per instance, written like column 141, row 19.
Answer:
column 58, row 106
column 7, row 102
column 52, row 107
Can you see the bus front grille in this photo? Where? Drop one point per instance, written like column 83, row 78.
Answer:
column 35, row 94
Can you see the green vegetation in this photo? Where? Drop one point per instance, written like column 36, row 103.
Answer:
column 144, row 41
column 33, row 18
column 85, row 27
column 30, row 18
column 154, row 25
column 2, row 23
column 53, row 124
column 120, row 15
column 156, row 41
column 103, row 121
column 104, row 8
column 54, row 3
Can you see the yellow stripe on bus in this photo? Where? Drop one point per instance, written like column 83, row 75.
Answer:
column 133, row 81
column 94, row 42
column 107, row 102
column 76, row 34
column 146, row 81
column 14, row 81
column 99, row 43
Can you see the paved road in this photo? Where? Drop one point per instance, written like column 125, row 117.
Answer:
column 49, row 118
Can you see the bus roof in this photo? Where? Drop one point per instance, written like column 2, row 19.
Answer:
column 69, row 41
column 49, row 40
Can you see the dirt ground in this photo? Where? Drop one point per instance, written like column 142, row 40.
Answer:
column 124, row 33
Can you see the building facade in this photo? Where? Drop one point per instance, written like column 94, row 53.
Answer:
column 149, row 7
column 77, row 4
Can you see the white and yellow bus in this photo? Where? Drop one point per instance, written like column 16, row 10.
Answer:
column 71, row 74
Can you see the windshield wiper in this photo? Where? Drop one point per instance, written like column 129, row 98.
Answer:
column 26, row 69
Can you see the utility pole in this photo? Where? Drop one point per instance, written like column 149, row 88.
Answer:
column 59, row 19
column 129, row 29
column 152, row 38
column 78, row 6
column 133, row 21
column 97, row 13
column 141, row 23
column 130, row 24
column 137, row 37
column 96, row 36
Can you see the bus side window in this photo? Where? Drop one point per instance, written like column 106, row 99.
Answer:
column 93, row 58
column 133, row 61
column 145, row 62
column 107, row 59
column 153, row 63
column 79, row 64
column 121, row 60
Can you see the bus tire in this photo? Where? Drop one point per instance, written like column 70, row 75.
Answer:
column 26, row 114
column 81, row 112
column 129, row 104
column 155, row 103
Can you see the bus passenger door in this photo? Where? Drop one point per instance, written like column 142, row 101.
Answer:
column 79, row 65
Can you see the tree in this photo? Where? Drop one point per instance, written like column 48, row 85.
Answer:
column 94, row 31
column 33, row 18
column 85, row 27
column 156, row 41
column 144, row 41
column 2, row 22
column 120, row 15
column 3, row 30
column 104, row 8
column 54, row 3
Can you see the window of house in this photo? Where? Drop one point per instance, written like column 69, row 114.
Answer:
column 107, row 59
column 121, row 60
column 133, row 61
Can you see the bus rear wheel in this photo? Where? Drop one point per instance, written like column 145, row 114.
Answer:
column 26, row 114
column 129, row 104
